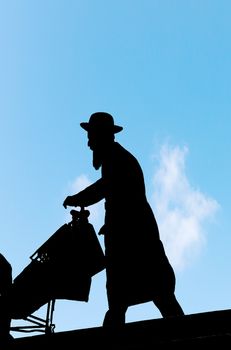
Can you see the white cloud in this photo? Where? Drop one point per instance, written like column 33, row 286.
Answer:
column 80, row 183
column 180, row 209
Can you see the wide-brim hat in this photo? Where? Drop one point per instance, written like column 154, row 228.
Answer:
column 101, row 121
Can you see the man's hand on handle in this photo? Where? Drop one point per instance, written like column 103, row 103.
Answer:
column 70, row 201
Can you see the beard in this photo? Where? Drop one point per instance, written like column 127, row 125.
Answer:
column 97, row 159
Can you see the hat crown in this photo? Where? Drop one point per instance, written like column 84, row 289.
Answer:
column 102, row 120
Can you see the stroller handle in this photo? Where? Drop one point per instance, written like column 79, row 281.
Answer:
column 82, row 214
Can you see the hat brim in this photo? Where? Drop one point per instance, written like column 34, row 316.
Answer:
column 86, row 126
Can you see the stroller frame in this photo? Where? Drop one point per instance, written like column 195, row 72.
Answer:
column 38, row 324
column 46, row 325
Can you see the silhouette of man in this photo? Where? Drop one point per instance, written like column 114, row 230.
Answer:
column 137, row 268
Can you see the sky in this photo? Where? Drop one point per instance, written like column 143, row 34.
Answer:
column 162, row 69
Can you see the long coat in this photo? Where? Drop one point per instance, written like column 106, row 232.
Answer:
column 137, row 267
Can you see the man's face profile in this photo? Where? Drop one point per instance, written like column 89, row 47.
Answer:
column 99, row 141
column 96, row 145
column 92, row 140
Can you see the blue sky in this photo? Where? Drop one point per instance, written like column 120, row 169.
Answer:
column 162, row 69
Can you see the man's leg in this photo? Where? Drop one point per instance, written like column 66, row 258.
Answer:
column 115, row 316
column 168, row 305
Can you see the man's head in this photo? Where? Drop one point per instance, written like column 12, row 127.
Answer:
column 100, row 131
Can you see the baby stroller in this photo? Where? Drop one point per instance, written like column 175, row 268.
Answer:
column 61, row 268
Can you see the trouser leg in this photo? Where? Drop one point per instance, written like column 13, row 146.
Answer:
column 168, row 305
column 115, row 316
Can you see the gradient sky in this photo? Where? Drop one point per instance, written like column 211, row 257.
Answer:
column 162, row 69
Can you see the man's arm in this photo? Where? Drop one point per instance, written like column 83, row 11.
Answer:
column 90, row 195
